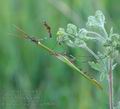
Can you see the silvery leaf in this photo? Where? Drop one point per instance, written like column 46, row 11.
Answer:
column 71, row 29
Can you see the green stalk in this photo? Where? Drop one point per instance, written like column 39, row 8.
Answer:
column 110, row 82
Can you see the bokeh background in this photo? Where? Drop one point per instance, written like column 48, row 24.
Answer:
column 30, row 78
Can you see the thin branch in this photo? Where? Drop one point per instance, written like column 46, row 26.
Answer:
column 110, row 82
column 94, row 33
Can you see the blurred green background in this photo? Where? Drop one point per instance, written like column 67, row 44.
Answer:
column 32, row 79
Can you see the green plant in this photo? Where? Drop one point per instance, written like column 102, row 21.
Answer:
column 79, row 38
column 109, row 46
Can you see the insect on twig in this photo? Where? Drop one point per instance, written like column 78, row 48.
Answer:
column 48, row 28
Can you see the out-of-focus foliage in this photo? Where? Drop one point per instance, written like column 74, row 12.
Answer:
column 32, row 79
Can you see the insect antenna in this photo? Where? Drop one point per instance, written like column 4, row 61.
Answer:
column 26, row 36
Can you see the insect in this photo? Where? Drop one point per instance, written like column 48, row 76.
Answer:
column 26, row 36
column 48, row 28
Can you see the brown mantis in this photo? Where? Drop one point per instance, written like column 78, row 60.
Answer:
column 59, row 56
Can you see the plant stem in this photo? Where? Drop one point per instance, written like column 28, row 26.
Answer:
column 91, row 52
column 106, row 34
column 110, row 82
column 96, row 34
